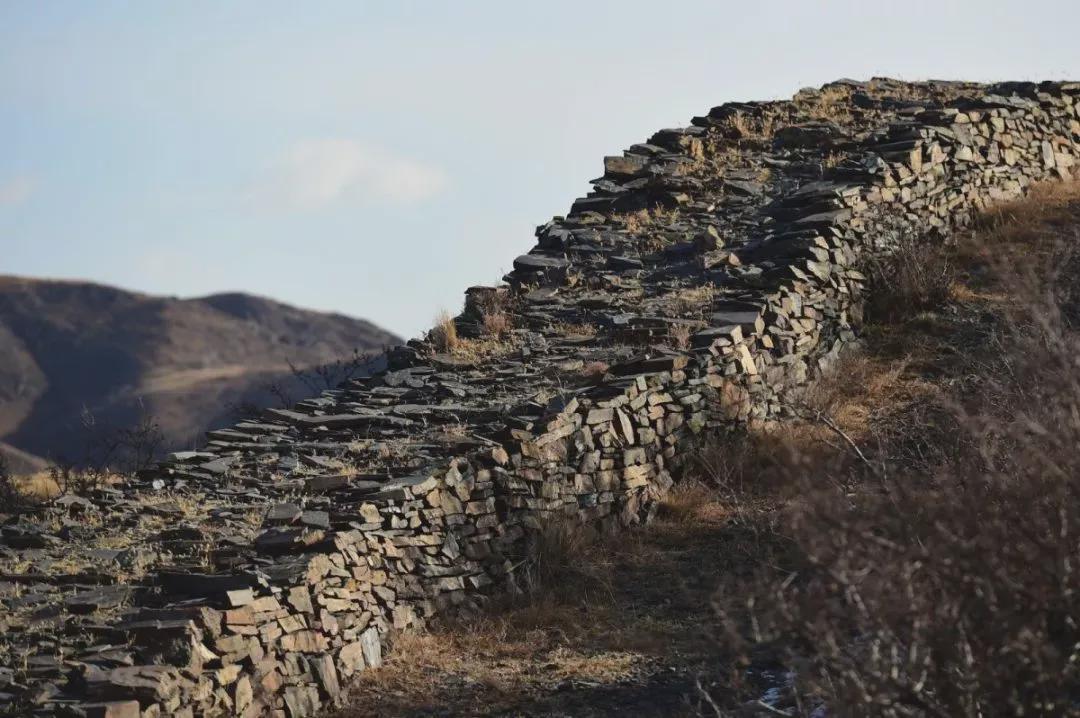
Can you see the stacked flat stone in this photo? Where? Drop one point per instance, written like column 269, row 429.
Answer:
column 712, row 271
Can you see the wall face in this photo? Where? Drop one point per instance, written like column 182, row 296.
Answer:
column 712, row 271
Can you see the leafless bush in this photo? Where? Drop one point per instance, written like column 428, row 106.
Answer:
column 320, row 377
column 9, row 493
column 314, row 379
column 949, row 587
column 79, row 481
column 916, row 277
column 108, row 451
column 121, row 449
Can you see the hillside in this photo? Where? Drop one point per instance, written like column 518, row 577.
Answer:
column 70, row 350
column 581, row 484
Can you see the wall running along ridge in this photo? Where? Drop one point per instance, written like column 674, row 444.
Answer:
column 712, row 271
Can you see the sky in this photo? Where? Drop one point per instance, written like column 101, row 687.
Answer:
column 377, row 158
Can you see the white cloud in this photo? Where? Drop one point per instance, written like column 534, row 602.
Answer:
column 16, row 191
column 314, row 173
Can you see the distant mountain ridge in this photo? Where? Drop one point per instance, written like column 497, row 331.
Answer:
column 71, row 349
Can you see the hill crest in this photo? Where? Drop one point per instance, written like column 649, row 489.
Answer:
column 71, row 349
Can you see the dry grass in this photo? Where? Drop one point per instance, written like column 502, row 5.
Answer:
column 912, row 588
column 47, row 485
column 595, row 613
column 656, row 219
column 496, row 324
column 497, row 340
column 679, row 336
column 634, row 222
column 39, row 486
column 579, row 331
column 691, row 503
column 831, row 104
column 1016, row 232
column 693, row 167
column 494, row 309
column 693, row 301
column 760, row 126
column 639, row 221
column 444, row 335
column 595, row 370
column 915, row 277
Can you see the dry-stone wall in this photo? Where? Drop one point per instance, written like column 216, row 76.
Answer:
column 712, row 270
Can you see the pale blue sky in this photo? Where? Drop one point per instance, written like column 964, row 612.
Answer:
column 376, row 158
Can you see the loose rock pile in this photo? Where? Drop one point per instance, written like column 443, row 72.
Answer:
column 712, row 271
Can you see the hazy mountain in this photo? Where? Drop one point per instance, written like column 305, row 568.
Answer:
column 75, row 351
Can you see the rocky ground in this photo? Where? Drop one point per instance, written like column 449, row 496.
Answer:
column 631, row 631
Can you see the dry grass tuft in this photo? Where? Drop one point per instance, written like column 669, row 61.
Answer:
column 693, row 301
column 637, row 222
column 580, row 331
column 694, row 166
column 497, row 339
column 688, row 502
column 679, row 335
column 634, row 222
column 760, row 126
column 494, row 313
column 40, row 486
column 595, row 370
column 556, row 563
column 496, row 324
column 444, row 335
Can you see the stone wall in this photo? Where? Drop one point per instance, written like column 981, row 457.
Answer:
column 713, row 270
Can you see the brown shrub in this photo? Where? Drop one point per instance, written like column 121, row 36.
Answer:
column 948, row 594
column 497, row 323
column 947, row 587
column 916, row 277
column 595, row 370
column 679, row 335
